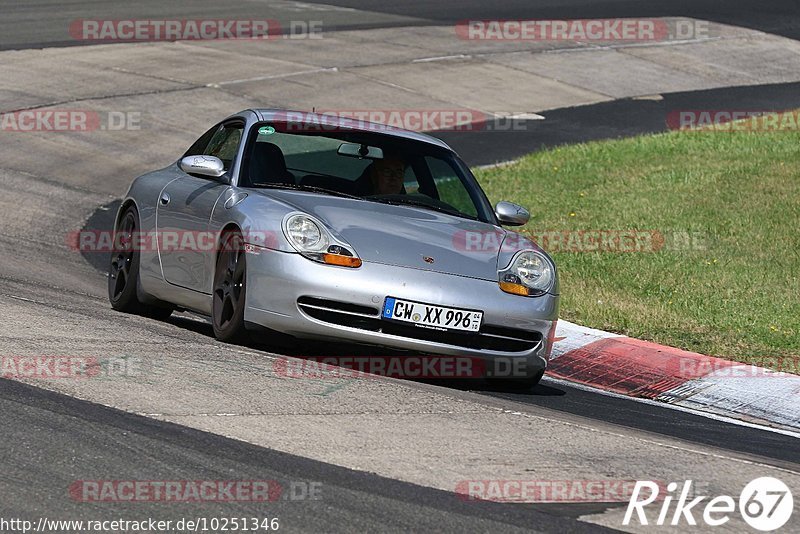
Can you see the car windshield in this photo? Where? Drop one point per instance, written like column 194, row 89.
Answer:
column 370, row 166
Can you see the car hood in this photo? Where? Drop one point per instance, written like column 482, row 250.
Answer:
column 406, row 236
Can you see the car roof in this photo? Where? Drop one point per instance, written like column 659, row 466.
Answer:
column 336, row 121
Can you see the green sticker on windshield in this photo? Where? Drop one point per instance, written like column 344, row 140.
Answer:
column 266, row 130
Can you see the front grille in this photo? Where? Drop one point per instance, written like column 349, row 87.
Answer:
column 496, row 338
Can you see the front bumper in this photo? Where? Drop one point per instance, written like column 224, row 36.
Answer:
column 293, row 295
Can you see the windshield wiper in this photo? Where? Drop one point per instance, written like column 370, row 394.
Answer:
column 311, row 189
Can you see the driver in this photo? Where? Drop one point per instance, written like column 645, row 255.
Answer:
column 387, row 175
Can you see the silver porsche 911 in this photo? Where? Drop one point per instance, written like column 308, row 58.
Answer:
column 327, row 228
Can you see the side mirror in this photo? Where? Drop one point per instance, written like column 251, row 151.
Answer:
column 510, row 214
column 203, row 165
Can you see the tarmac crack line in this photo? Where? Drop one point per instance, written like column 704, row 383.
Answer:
column 107, row 97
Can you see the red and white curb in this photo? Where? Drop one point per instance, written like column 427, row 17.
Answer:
column 635, row 368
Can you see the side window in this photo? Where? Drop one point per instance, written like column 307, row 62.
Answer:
column 200, row 145
column 449, row 186
column 224, row 143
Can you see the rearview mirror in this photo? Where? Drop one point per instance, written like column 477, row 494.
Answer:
column 355, row 150
column 203, row 165
column 510, row 214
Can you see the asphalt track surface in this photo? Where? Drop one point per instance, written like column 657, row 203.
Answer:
column 611, row 120
column 45, row 22
column 87, row 438
column 56, row 439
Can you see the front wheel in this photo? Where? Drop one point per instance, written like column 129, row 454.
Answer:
column 230, row 287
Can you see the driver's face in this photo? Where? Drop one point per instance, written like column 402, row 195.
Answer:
column 388, row 177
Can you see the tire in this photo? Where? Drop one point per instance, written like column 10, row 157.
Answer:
column 230, row 290
column 123, row 271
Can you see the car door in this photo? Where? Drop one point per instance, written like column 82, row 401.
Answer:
column 184, row 209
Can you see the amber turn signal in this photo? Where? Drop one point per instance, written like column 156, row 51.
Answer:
column 341, row 260
column 514, row 289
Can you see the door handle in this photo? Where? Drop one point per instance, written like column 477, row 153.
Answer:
column 164, row 198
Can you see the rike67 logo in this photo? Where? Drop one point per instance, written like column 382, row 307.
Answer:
column 766, row 504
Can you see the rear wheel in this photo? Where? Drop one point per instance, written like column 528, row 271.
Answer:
column 230, row 281
column 123, row 271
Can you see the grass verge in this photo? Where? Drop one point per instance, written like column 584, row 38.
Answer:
column 721, row 277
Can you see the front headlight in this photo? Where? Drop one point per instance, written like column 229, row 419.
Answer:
column 530, row 274
column 311, row 239
column 305, row 234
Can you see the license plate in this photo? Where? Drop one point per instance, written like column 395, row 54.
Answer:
column 430, row 316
